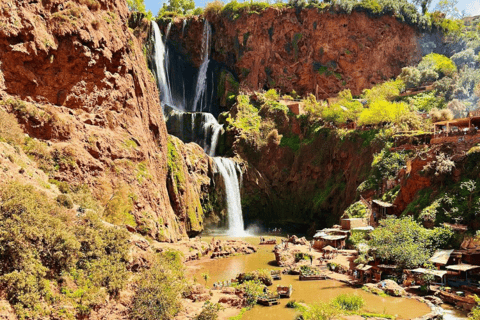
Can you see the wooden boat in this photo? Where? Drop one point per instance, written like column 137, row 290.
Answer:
column 284, row 291
column 306, row 277
column 268, row 241
column 276, row 275
column 264, row 301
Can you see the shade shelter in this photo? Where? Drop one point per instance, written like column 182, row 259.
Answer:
column 462, row 268
column 381, row 209
column 436, row 273
column 441, row 257
column 459, row 124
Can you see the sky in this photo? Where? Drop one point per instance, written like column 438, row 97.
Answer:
column 472, row 7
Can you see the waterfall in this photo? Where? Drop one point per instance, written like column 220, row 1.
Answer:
column 199, row 127
column 200, row 90
column 159, row 61
column 228, row 171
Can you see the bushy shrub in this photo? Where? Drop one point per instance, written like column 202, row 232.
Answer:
column 426, row 101
column 42, row 245
column 209, row 311
column 385, row 91
column 213, row 8
column 410, row 76
column 465, row 58
column 159, row 290
column 439, row 63
column 274, row 138
column 349, row 302
column 441, row 115
column 356, row 210
column 405, row 242
column 118, row 209
column 10, row 130
column 382, row 112
column 320, row 311
column 253, row 290
column 65, row 200
column 271, row 95
column 312, row 107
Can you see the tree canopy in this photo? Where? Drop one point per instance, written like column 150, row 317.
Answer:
column 177, row 6
column 406, row 242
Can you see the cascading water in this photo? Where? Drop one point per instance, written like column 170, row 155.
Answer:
column 199, row 127
column 159, row 61
column 200, row 92
column 228, row 170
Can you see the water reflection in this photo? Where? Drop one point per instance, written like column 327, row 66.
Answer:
column 306, row 291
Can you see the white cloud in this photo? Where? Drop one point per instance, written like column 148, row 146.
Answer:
column 473, row 8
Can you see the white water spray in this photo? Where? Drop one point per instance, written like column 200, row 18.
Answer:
column 200, row 91
column 211, row 129
column 159, row 60
column 228, row 171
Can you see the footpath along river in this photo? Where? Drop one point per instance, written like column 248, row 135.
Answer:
column 305, row 291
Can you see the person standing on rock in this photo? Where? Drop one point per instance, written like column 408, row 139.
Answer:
column 311, row 260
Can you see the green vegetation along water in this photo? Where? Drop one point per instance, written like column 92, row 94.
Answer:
column 307, row 291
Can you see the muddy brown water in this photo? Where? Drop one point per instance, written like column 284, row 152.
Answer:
column 303, row 291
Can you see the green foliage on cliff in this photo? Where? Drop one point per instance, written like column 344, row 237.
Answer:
column 382, row 111
column 175, row 167
column 406, row 242
column 54, row 263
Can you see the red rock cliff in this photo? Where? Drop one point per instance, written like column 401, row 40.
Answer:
column 307, row 51
column 74, row 74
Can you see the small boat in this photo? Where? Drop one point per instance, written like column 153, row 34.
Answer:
column 265, row 301
column 276, row 275
column 284, row 291
column 268, row 241
column 306, row 277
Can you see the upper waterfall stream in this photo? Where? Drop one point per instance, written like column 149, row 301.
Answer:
column 188, row 123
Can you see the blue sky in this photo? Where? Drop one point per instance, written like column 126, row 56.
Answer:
column 470, row 6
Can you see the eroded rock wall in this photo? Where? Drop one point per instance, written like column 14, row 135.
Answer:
column 74, row 74
column 307, row 51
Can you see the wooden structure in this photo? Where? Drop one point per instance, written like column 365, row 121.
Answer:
column 460, row 268
column 364, row 272
column 307, row 277
column 441, row 257
column 438, row 274
column 267, row 241
column 351, row 223
column 327, row 237
column 276, row 274
column 266, row 301
column 381, row 209
column 284, row 291
column 461, row 125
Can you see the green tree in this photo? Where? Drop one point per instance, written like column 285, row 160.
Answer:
column 136, row 5
column 423, row 3
column 177, row 6
column 406, row 242
column 449, row 7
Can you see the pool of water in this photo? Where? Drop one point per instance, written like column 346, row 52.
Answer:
column 303, row 291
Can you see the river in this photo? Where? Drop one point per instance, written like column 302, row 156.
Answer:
column 303, row 291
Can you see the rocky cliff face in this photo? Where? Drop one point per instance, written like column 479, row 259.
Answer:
column 307, row 51
column 74, row 75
